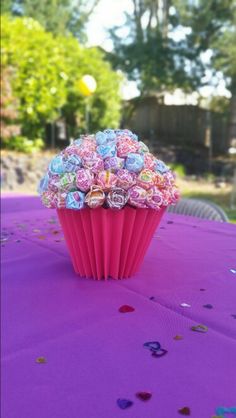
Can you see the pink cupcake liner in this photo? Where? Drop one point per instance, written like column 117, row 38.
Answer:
column 107, row 243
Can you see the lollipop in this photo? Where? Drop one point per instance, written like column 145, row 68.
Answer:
column 106, row 180
column 142, row 148
column 134, row 162
column 107, row 150
column 61, row 200
column 43, row 184
column 56, row 166
column 159, row 181
column 75, row 200
column 125, row 179
column 67, row 182
column 161, row 167
column 149, row 161
column 110, row 135
column 137, row 197
column 166, row 195
column 154, row 198
column 117, row 198
column 93, row 161
column 169, row 179
column 71, row 150
column 125, row 146
column 146, row 179
column 95, row 197
column 84, row 179
column 71, row 163
column 49, row 199
column 54, row 182
column 114, row 163
column 175, row 195
column 78, row 142
column 101, row 138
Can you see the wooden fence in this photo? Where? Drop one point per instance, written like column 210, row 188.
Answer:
column 188, row 126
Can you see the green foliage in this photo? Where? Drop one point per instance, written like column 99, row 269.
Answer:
column 213, row 26
column 47, row 71
column 219, row 104
column 56, row 16
column 23, row 144
column 179, row 169
column 152, row 54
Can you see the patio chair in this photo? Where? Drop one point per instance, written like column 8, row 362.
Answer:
column 199, row 208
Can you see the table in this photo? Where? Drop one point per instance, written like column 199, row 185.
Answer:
column 92, row 354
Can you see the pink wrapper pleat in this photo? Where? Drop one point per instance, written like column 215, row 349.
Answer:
column 106, row 243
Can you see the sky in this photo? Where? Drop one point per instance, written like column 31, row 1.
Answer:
column 110, row 13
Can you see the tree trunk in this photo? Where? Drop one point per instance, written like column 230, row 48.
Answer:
column 232, row 117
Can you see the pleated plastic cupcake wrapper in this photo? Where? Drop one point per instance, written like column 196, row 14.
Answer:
column 106, row 243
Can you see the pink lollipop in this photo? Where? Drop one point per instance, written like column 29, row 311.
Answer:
column 125, row 179
column 137, row 197
column 84, row 179
column 149, row 161
column 125, row 146
column 106, row 179
column 93, row 161
column 49, row 199
column 154, row 198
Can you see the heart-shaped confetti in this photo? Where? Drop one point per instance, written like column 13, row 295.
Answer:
column 185, row 305
column 178, row 337
column 4, row 237
column 199, row 328
column 208, row 306
column 41, row 360
column 124, row 403
column 184, row 411
column 144, row 396
column 159, row 353
column 152, row 345
column 126, row 309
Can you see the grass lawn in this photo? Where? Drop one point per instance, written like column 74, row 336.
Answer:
column 208, row 191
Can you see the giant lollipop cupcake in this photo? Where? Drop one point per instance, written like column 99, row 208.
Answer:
column 110, row 193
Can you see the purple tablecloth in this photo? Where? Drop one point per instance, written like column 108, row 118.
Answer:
column 94, row 354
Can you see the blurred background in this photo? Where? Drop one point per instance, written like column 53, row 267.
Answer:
column 165, row 69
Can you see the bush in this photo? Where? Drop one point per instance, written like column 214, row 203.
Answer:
column 47, row 69
column 23, row 144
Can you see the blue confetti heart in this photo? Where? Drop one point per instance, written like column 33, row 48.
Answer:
column 124, row 403
column 159, row 353
column 152, row 345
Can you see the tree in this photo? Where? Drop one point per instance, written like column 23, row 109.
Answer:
column 149, row 54
column 47, row 69
column 56, row 16
column 213, row 28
